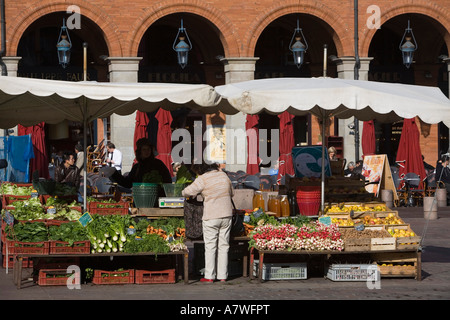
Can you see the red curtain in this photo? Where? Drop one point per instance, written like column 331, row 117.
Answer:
column 409, row 150
column 164, row 141
column 251, row 128
column 286, row 165
column 368, row 143
column 40, row 160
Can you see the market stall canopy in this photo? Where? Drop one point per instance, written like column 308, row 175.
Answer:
column 29, row 101
column 325, row 97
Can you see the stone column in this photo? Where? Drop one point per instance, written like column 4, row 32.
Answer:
column 123, row 69
column 447, row 61
column 346, row 70
column 237, row 70
column 12, row 64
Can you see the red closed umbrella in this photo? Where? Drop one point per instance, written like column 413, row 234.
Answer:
column 164, row 140
column 409, row 153
column 368, row 143
column 251, row 127
column 40, row 160
column 286, row 165
column 141, row 124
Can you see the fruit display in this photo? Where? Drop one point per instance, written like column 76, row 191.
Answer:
column 350, row 233
column 390, row 219
column 343, row 222
column 399, row 233
column 342, row 208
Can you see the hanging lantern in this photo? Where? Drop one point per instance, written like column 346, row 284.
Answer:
column 297, row 47
column 183, row 47
column 63, row 46
column 407, row 46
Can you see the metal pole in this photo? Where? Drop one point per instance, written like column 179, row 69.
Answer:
column 356, row 77
column 85, row 46
column 325, row 46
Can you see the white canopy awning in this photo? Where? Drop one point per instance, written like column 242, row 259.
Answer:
column 29, row 101
column 322, row 97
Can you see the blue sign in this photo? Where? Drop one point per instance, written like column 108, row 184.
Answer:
column 85, row 219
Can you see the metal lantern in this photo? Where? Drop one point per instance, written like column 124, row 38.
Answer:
column 407, row 46
column 298, row 48
column 63, row 46
column 183, row 47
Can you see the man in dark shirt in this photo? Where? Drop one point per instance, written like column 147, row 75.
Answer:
column 67, row 172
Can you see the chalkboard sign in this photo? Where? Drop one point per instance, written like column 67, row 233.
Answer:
column 85, row 219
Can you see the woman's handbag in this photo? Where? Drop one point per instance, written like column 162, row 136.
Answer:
column 237, row 222
column 193, row 213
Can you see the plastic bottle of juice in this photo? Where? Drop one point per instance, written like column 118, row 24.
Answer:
column 277, row 206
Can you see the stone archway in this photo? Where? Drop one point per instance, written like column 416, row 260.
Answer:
column 439, row 14
column 343, row 47
column 26, row 17
column 153, row 13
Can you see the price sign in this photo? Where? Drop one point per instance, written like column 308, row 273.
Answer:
column 325, row 220
column 85, row 219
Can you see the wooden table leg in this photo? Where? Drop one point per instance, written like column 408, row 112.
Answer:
column 419, row 266
column 252, row 259
column 18, row 262
column 245, row 266
column 186, row 268
column 261, row 262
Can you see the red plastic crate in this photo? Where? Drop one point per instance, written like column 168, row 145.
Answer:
column 17, row 247
column 52, row 277
column 122, row 208
column 26, row 262
column 147, row 277
column 7, row 199
column 113, row 277
column 62, row 247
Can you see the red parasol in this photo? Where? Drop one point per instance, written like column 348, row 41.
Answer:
column 409, row 150
column 286, row 165
column 368, row 143
column 140, row 129
column 164, row 141
column 251, row 127
column 40, row 160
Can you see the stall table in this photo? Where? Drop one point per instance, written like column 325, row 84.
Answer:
column 17, row 269
column 329, row 253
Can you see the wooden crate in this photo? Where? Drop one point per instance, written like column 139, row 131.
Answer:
column 357, row 244
column 406, row 242
column 378, row 244
column 394, row 264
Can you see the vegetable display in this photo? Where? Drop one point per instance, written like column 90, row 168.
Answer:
column 107, row 233
column 152, row 177
column 12, row 189
column 183, row 175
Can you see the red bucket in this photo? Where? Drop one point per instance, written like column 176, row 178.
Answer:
column 308, row 199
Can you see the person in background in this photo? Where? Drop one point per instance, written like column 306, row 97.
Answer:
column 349, row 170
column 332, row 153
column 175, row 167
column 145, row 163
column 217, row 191
column 443, row 174
column 67, row 172
column 357, row 170
column 114, row 158
column 80, row 158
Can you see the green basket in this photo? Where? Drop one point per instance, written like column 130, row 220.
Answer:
column 173, row 189
column 145, row 194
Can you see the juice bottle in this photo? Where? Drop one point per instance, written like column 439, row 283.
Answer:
column 285, row 211
column 277, row 206
column 258, row 200
column 270, row 203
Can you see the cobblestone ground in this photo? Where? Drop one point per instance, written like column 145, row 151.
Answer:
column 435, row 284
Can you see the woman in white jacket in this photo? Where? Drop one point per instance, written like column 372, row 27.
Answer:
column 216, row 190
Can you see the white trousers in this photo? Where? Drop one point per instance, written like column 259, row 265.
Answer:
column 216, row 235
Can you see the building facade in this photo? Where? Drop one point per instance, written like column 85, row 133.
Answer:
column 234, row 41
